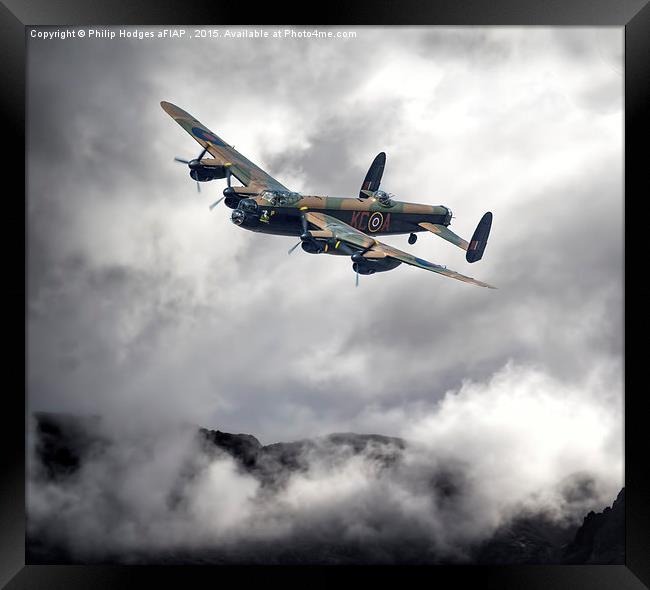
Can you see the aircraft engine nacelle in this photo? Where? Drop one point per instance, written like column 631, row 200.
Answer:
column 373, row 265
column 203, row 172
column 231, row 198
column 313, row 246
column 232, row 201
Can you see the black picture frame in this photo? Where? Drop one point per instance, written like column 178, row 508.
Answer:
column 634, row 15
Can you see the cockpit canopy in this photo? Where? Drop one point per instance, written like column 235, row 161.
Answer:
column 386, row 199
column 281, row 198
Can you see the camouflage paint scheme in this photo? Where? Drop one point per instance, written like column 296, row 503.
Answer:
column 331, row 225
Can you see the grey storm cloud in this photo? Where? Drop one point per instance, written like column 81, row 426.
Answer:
column 127, row 268
column 144, row 305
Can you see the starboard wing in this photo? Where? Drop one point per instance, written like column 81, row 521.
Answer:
column 373, row 248
column 340, row 230
column 249, row 174
column 425, row 264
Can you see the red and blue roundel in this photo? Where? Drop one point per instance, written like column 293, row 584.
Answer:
column 206, row 135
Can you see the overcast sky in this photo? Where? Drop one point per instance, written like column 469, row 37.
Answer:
column 144, row 303
column 146, row 307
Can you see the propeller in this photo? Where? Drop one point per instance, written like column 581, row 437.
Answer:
column 294, row 247
column 217, row 202
column 228, row 173
column 227, row 190
column 192, row 163
column 181, row 161
column 358, row 258
column 305, row 233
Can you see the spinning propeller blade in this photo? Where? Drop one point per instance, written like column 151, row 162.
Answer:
column 228, row 173
column 305, row 230
column 187, row 162
column 216, row 203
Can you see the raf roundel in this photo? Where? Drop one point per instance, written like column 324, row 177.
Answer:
column 206, row 135
column 375, row 222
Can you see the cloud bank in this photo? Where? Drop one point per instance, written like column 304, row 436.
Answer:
column 520, row 444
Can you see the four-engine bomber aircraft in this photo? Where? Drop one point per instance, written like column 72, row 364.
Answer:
column 328, row 225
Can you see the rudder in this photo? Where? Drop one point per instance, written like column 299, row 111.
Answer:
column 479, row 239
column 373, row 178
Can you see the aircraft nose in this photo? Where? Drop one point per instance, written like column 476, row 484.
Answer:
column 238, row 216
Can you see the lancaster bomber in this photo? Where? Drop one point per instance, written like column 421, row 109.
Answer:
column 344, row 226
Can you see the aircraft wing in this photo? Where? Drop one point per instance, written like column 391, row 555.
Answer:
column 373, row 248
column 249, row 174
column 340, row 230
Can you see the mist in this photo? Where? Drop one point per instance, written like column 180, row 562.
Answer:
column 519, row 444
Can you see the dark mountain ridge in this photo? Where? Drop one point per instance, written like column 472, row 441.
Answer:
column 63, row 442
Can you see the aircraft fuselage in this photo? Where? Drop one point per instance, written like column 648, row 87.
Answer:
column 263, row 214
